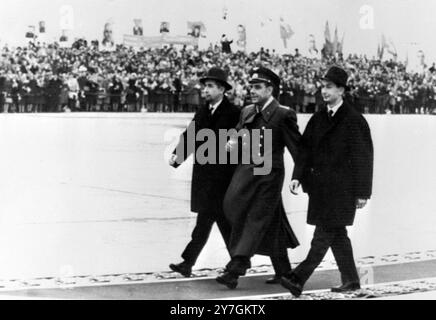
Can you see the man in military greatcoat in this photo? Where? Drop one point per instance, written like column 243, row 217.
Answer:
column 253, row 202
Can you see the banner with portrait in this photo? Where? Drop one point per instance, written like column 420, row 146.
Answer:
column 30, row 34
column 138, row 29
column 241, row 41
column 64, row 40
column 164, row 27
column 108, row 43
column 196, row 29
column 158, row 41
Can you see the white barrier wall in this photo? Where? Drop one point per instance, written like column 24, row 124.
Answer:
column 82, row 190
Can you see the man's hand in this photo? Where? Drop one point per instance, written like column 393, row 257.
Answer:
column 172, row 160
column 361, row 203
column 293, row 187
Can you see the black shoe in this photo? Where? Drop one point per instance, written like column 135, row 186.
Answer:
column 228, row 279
column 293, row 286
column 273, row 280
column 348, row 287
column 183, row 268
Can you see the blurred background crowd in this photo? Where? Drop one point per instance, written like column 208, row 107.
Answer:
column 48, row 78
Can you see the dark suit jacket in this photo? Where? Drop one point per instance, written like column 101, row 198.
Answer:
column 209, row 181
column 335, row 165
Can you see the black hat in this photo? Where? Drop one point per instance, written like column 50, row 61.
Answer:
column 265, row 75
column 338, row 76
column 219, row 75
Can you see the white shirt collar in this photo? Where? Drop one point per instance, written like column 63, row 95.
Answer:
column 214, row 106
column 267, row 103
column 335, row 107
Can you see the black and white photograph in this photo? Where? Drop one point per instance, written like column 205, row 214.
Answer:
column 217, row 150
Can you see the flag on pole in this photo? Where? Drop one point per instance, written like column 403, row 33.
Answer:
column 341, row 44
column 335, row 41
column 389, row 46
column 265, row 21
column 327, row 33
column 286, row 32
column 327, row 50
column 225, row 13
column 380, row 51
column 41, row 26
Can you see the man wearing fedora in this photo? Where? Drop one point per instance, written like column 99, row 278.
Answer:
column 335, row 168
column 253, row 202
column 210, row 180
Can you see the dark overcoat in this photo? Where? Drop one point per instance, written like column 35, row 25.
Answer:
column 209, row 181
column 253, row 203
column 335, row 166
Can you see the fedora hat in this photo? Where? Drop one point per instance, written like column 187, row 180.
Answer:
column 217, row 74
column 338, row 76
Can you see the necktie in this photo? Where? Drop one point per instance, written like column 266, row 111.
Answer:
column 330, row 114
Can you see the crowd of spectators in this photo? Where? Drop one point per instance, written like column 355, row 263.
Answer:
column 48, row 78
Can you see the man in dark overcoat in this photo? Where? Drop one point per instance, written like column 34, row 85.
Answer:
column 211, row 179
column 253, row 202
column 54, row 88
column 335, row 168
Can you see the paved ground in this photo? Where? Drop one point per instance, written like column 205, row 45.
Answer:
column 86, row 195
column 251, row 287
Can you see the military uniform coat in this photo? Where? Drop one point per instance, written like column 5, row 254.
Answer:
column 253, row 203
column 335, row 166
column 209, row 181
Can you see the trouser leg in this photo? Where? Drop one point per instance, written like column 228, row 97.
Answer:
column 238, row 266
column 224, row 227
column 281, row 264
column 343, row 253
column 320, row 244
column 199, row 237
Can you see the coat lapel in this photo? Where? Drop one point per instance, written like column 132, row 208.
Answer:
column 270, row 110
column 249, row 115
column 267, row 113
